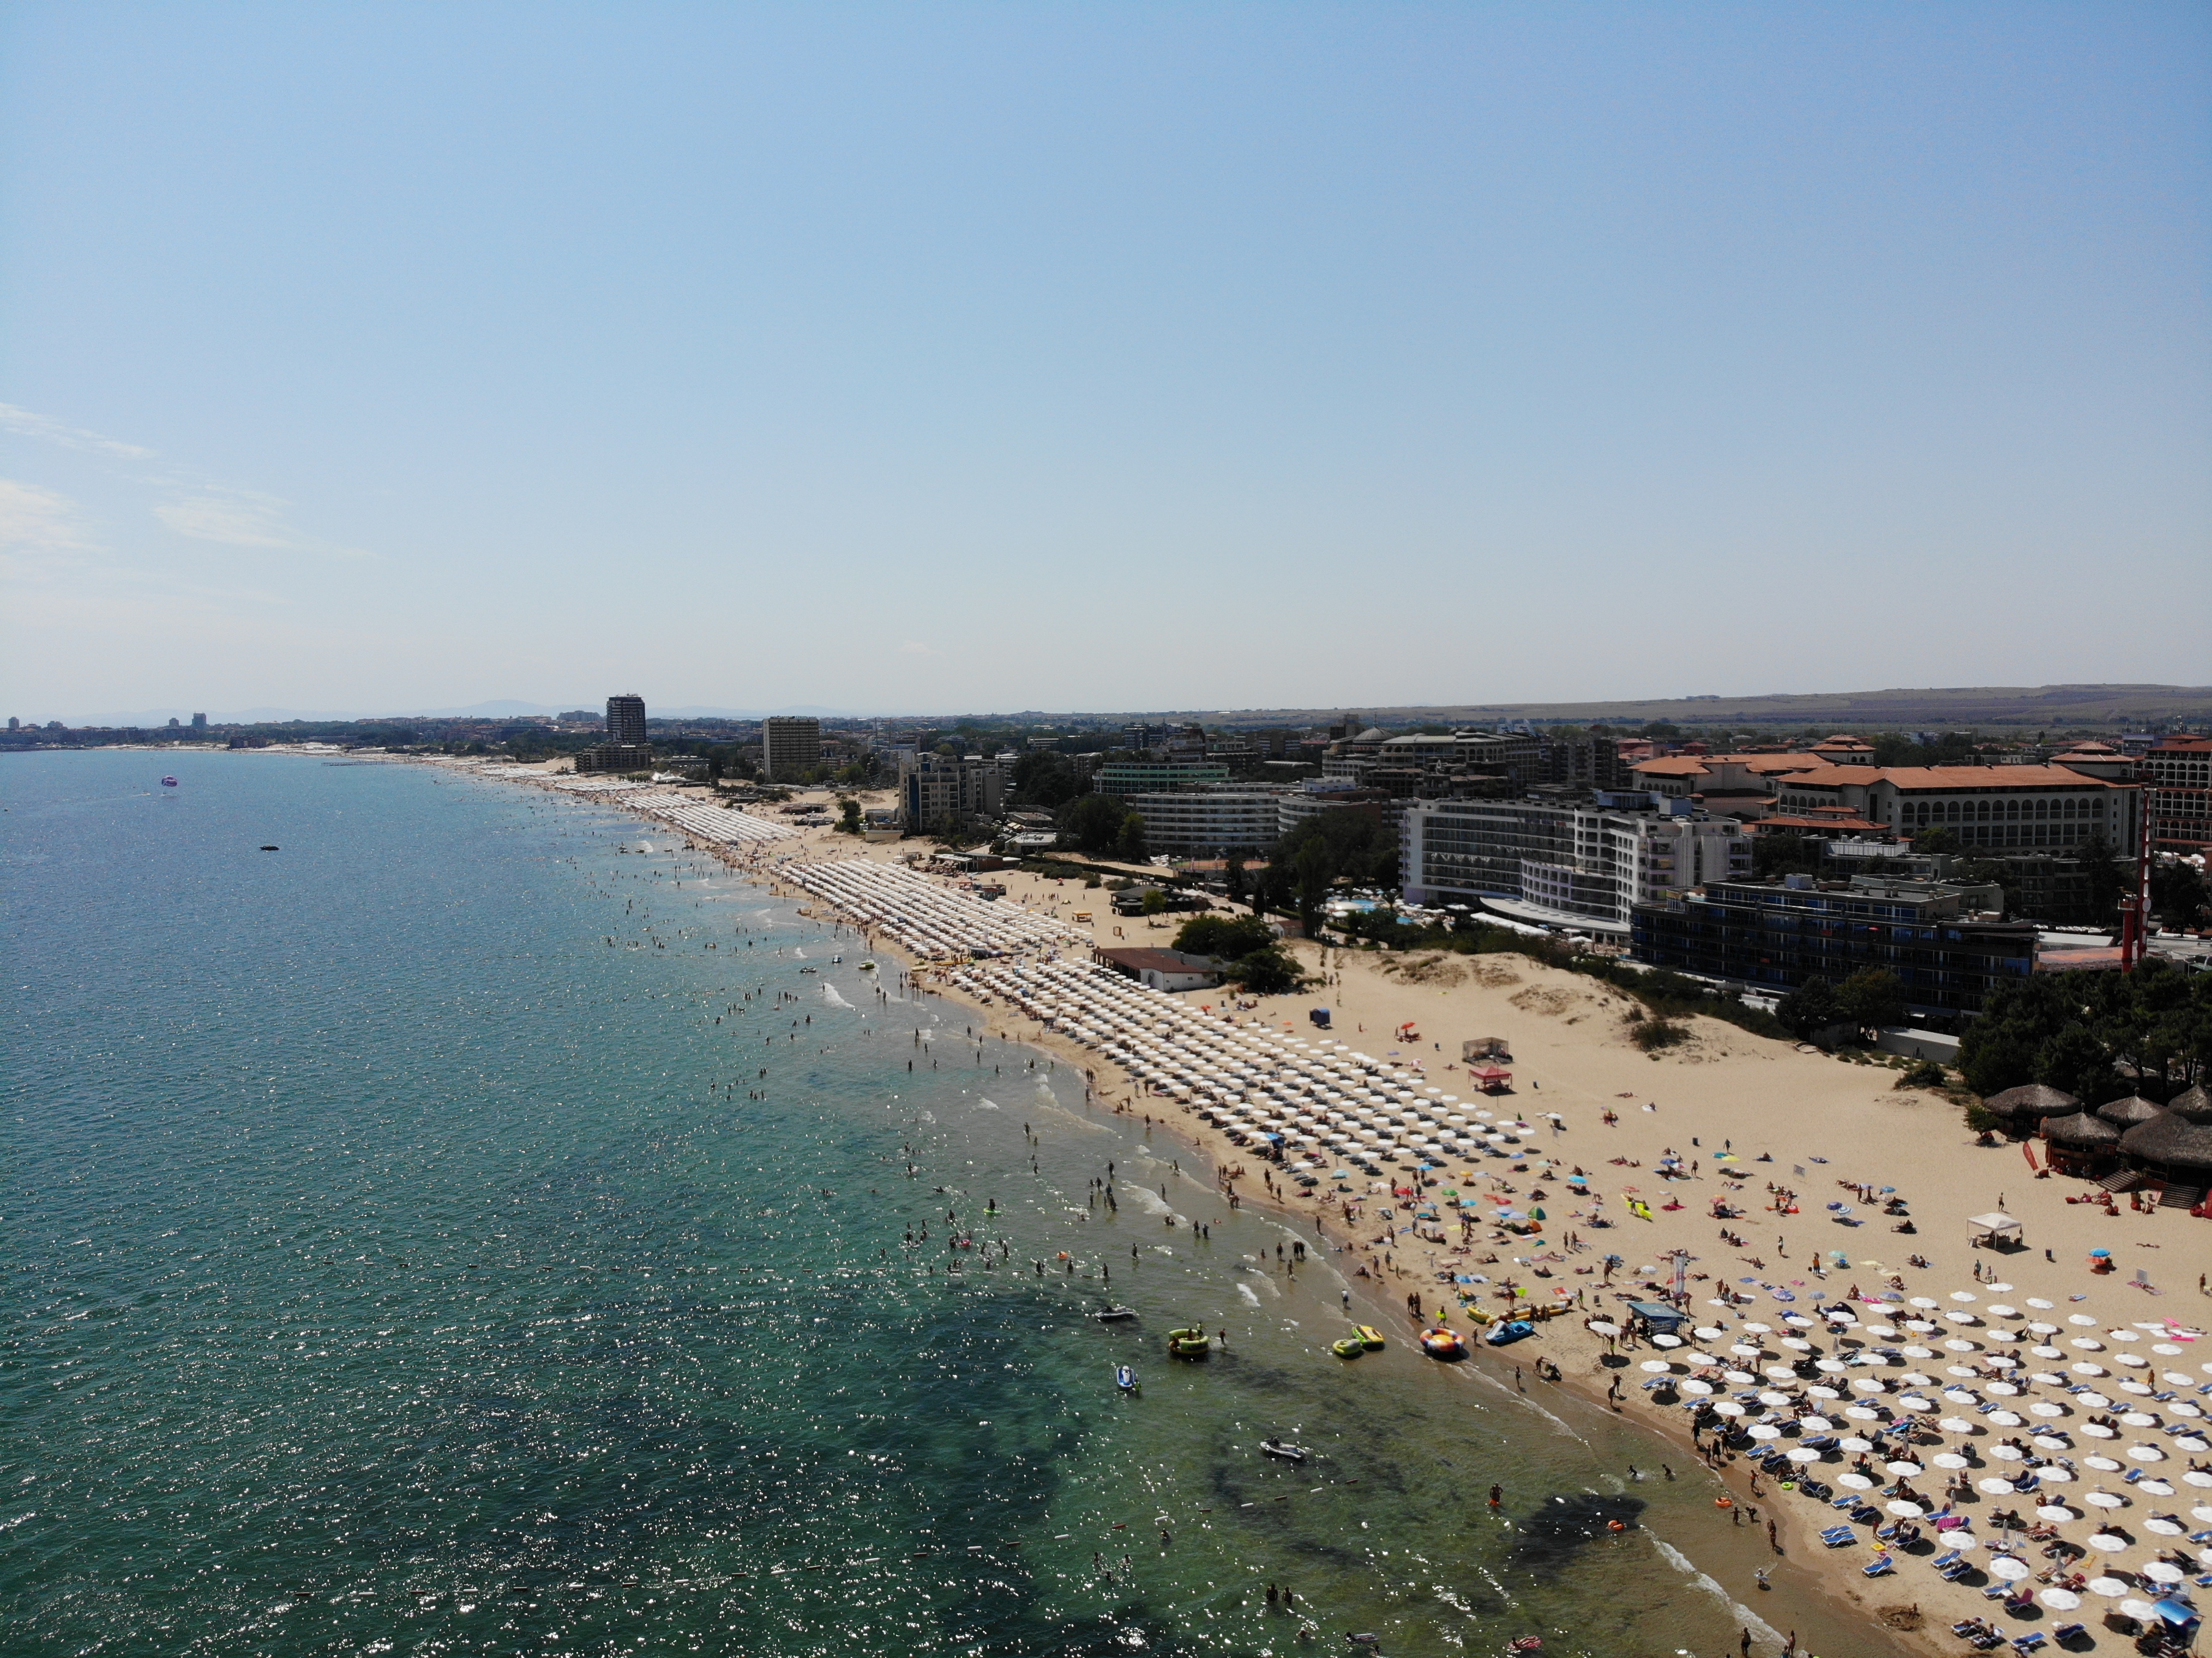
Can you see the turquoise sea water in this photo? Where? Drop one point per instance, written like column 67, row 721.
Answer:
column 396, row 1261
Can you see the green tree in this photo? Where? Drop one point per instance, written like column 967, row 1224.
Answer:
column 1129, row 844
column 1269, row 971
column 2108, row 876
column 1093, row 822
column 1045, row 779
column 1228, row 937
column 2076, row 1060
column 1812, row 1006
column 1779, row 852
column 1154, row 902
column 2178, row 895
column 849, row 816
column 1234, row 874
column 1316, row 871
column 1939, row 838
column 1871, row 998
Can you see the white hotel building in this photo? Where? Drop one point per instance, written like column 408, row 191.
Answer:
column 1567, row 864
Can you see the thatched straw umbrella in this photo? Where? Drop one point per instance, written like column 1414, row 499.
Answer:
column 2023, row 1107
column 2082, row 1143
column 2176, row 1143
column 2127, row 1112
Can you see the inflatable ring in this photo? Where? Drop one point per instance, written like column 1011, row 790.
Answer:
column 1615, row 1525
column 1724, row 1502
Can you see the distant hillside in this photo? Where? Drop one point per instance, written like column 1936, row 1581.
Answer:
column 2030, row 707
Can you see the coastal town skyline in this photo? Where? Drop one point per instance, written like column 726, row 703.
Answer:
column 964, row 830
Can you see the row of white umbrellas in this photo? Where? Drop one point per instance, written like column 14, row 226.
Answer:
column 938, row 922
column 1323, row 1098
column 719, row 824
column 2048, row 1396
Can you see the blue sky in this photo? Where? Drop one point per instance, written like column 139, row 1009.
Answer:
column 967, row 357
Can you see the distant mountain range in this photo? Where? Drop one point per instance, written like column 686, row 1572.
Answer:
column 2056, row 708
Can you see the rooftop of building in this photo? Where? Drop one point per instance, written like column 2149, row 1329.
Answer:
column 1137, row 960
column 1839, row 820
column 1947, row 778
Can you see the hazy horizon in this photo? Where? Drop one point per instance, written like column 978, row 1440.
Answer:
column 961, row 356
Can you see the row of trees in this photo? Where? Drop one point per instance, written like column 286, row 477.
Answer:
column 1103, row 827
column 1867, row 1001
column 2099, row 1036
column 1247, row 945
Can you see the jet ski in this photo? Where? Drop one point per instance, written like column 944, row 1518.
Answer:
column 1107, row 1314
column 1275, row 1448
column 1125, row 1378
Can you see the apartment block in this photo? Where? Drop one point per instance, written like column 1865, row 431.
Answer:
column 2178, row 773
column 936, row 792
column 1208, row 820
column 626, row 720
column 791, row 747
column 1122, row 778
column 1775, row 935
column 1993, row 808
column 1564, row 862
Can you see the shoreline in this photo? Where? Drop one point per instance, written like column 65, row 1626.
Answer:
column 1546, row 1003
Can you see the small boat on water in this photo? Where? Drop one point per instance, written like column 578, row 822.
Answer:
column 867, row 966
column 1275, row 1448
column 1369, row 1335
column 1438, row 1341
column 169, row 782
column 1350, row 1347
column 1189, row 1342
column 1125, row 1378
column 1108, row 1315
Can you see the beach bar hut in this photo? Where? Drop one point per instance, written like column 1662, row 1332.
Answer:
column 2025, row 1107
column 2124, row 1114
column 2175, row 1147
column 2083, row 1143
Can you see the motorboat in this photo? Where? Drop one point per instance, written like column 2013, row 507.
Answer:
column 1369, row 1336
column 1438, row 1341
column 1275, row 1448
column 1125, row 1378
column 1189, row 1342
column 1108, row 1315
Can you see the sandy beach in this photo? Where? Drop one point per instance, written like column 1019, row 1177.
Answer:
column 1809, row 1154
